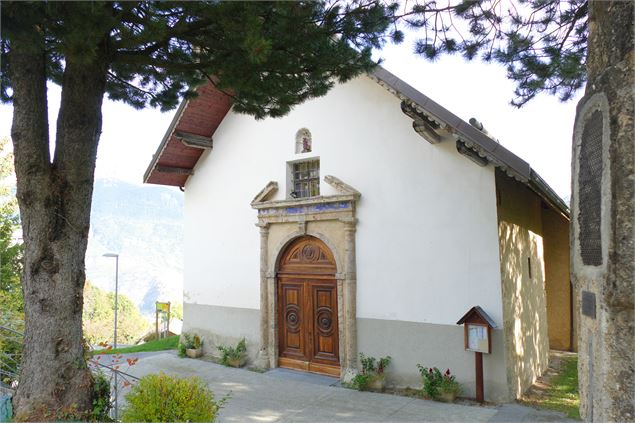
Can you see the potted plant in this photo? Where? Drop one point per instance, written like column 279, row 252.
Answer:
column 372, row 375
column 234, row 356
column 193, row 345
column 439, row 386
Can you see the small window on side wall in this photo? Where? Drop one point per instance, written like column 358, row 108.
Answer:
column 305, row 179
column 303, row 141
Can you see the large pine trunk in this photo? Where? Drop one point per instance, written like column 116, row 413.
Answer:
column 54, row 198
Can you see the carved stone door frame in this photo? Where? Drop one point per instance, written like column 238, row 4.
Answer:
column 332, row 220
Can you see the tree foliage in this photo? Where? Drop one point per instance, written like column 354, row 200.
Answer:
column 542, row 43
column 11, row 301
column 268, row 56
column 99, row 316
column 159, row 51
column 10, row 247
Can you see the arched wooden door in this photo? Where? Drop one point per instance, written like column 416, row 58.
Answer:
column 307, row 308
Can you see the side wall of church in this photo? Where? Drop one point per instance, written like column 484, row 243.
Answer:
column 522, row 250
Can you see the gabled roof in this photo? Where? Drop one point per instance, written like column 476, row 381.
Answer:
column 196, row 120
column 479, row 313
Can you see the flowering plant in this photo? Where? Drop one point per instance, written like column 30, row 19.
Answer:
column 372, row 370
column 436, row 383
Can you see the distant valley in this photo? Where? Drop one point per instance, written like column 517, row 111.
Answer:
column 144, row 225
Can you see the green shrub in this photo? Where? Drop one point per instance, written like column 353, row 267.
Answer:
column 101, row 398
column 372, row 365
column 181, row 350
column 435, row 383
column 360, row 381
column 372, row 369
column 163, row 398
column 191, row 341
column 236, row 353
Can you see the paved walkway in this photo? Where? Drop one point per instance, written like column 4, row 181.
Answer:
column 287, row 396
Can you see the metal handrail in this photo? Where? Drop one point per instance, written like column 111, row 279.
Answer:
column 19, row 336
column 112, row 369
column 10, row 362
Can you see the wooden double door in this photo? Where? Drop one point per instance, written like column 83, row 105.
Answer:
column 307, row 308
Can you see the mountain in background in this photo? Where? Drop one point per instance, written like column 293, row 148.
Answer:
column 144, row 225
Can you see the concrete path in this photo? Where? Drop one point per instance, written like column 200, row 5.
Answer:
column 287, row 396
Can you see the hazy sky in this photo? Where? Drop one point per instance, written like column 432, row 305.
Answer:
column 540, row 132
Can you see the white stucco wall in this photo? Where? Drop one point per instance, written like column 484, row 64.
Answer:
column 427, row 245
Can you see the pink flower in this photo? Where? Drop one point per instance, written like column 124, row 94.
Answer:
column 447, row 372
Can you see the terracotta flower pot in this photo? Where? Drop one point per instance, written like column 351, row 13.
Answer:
column 194, row 352
column 447, row 396
column 237, row 362
column 377, row 383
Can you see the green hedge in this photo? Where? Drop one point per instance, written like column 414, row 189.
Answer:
column 163, row 398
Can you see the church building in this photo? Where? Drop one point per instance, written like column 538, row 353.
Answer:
column 369, row 221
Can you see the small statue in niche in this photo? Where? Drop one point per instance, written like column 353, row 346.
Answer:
column 303, row 141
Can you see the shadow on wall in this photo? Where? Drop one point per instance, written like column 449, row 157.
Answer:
column 524, row 306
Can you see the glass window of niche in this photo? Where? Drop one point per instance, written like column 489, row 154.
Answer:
column 305, row 179
column 303, row 141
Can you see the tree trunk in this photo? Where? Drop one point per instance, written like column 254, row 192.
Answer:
column 54, row 199
column 602, row 236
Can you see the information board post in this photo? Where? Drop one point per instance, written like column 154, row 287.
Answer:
column 478, row 339
column 163, row 310
column 478, row 364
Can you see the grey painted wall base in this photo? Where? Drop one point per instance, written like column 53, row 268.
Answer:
column 408, row 343
column 220, row 325
column 433, row 345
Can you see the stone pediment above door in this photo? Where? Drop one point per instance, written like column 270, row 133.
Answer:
column 323, row 207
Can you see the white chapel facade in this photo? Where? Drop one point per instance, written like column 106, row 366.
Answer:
column 368, row 220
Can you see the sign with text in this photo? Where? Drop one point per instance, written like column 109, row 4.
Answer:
column 477, row 338
column 164, row 307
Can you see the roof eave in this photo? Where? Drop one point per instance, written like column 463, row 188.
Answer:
column 166, row 137
column 486, row 147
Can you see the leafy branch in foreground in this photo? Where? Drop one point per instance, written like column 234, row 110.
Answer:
column 542, row 43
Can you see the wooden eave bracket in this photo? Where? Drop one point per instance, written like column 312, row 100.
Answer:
column 424, row 126
column 472, row 154
column 193, row 140
column 174, row 170
column 481, row 157
column 341, row 186
column 265, row 193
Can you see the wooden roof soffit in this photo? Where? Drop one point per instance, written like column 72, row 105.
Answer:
column 422, row 124
column 174, row 170
column 193, row 140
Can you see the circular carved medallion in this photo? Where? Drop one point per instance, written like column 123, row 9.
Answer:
column 324, row 321
column 310, row 252
column 293, row 318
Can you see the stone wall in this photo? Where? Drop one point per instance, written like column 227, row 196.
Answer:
column 523, row 284
column 560, row 310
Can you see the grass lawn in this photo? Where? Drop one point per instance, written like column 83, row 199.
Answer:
column 157, row 345
column 562, row 393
